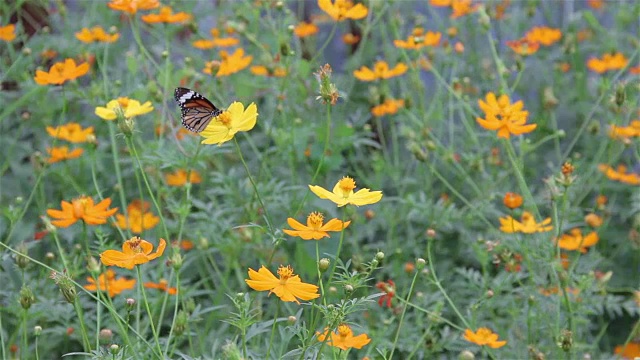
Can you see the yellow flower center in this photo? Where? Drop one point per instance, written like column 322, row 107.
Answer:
column 285, row 273
column 343, row 331
column 79, row 207
column 225, row 118
column 315, row 220
column 134, row 244
column 124, row 102
column 347, row 185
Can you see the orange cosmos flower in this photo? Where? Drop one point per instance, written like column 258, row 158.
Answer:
column 630, row 351
column 620, row 174
column 508, row 119
column 343, row 338
column 461, row 8
column 231, row 64
column 216, row 41
column 389, row 289
column 108, row 282
column 634, row 70
column 340, row 10
column 60, row 72
column 523, row 47
column 162, row 286
column 575, row 241
column 342, row 193
column 96, row 34
column 528, row 225
column 179, row 178
column 418, row 39
column 305, row 29
column 8, row 33
column 512, row 200
column 614, row 61
column 61, row 153
column 633, row 130
column 140, row 218
column 135, row 251
column 132, row 6
column 83, row 209
column 350, row 39
column 315, row 228
column 71, row 132
column 380, row 71
column 484, row 336
column 593, row 220
column 597, row 5
column 543, row 35
column 166, row 16
column 389, row 107
column 287, row 287
column 262, row 70
column 440, row 3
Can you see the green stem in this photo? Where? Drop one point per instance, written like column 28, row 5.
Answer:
column 146, row 304
column 273, row 329
column 326, row 43
column 116, row 167
column 175, row 313
column 404, row 311
column 335, row 262
column 83, row 329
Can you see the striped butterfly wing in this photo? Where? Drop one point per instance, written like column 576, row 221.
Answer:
column 197, row 111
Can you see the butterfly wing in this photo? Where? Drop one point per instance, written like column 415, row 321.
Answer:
column 197, row 110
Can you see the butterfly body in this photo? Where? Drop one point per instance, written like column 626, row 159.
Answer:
column 197, row 111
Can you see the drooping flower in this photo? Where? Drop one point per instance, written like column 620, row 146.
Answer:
column 315, row 228
column 225, row 126
column 629, row 351
column 543, row 35
column 96, row 34
column 523, row 46
column 82, row 208
column 575, row 241
column 343, row 338
column 129, row 108
column 287, row 287
column 614, row 61
column 139, row 217
column 217, row 41
column 132, row 6
column 512, row 200
column 107, row 282
column 8, row 32
column 231, row 64
column 179, row 178
column 508, row 119
column 380, row 71
column 305, row 29
column 61, row 153
column 388, row 107
column 620, row 174
column 262, row 70
column 342, row 193
column 61, row 72
column 162, row 285
column 166, row 16
column 71, row 132
column 389, row 289
column 419, row 39
column 484, row 336
column 135, row 251
column 528, row 225
column 340, row 10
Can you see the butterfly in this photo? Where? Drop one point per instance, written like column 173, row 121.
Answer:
column 197, row 110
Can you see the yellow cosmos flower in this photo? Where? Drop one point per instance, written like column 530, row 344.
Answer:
column 484, row 336
column 343, row 338
column 225, row 126
column 61, row 72
column 167, row 16
column 388, row 107
column 315, row 228
column 508, row 119
column 380, row 71
column 575, row 241
column 135, row 251
column 342, row 194
column 217, row 41
column 419, row 39
column 287, row 287
column 71, row 132
column 231, row 64
column 633, row 130
column 61, row 153
column 96, row 34
column 262, row 70
column 528, row 225
column 8, row 33
column 340, row 10
column 614, row 61
column 129, row 108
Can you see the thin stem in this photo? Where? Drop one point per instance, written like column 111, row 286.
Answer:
column 404, row 310
column 335, row 262
column 175, row 313
column 273, row 329
column 146, row 304
column 83, row 328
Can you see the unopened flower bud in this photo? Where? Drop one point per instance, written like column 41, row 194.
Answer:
column 176, row 261
column 37, row 330
column 26, row 297
column 565, row 341
column 182, row 320
column 48, row 225
column 26, row 51
column 67, row 287
column 130, row 303
column 292, row 319
column 333, row 289
column 22, row 259
column 203, row 243
column 189, row 305
column 620, row 94
column 323, row 264
column 114, row 349
column 290, row 28
column 431, row 234
column 409, row 267
column 466, row 355
column 49, row 257
column 369, row 214
column 165, row 54
column 484, row 19
column 489, row 293
column 105, row 336
column 348, row 288
column 93, row 265
column 420, row 263
column 379, row 256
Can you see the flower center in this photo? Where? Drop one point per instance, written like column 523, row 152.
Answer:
column 124, row 102
column 380, row 67
column 58, row 69
column 343, row 331
column 79, row 207
column 224, row 55
column 315, row 220
column 347, row 185
column 285, row 273
column 484, row 334
column 225, row 118
column 134, row 244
